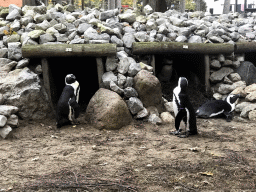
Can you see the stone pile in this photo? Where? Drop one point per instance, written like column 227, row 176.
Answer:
column 8, row 118
column 20, row 85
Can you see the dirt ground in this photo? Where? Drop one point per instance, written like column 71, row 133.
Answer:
column 138, row 157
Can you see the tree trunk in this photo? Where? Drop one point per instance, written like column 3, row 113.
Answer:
column 226, row 7
column 111, row 4
column 198, row 2
column 157, row 5
column 182, row 6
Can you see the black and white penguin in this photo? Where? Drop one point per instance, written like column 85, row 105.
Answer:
column 218, row 107
column 183, row 109
column 68, row 108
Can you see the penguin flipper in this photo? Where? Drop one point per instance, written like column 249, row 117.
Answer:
column 179, row 117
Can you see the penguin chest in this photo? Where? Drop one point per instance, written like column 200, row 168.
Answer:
column 176, row 100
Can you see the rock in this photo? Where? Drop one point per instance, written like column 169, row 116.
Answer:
column 216, row 39
column 13, row 121
column 45, row 38
column 228, row 62
column 252, row 115
column 195, row 39
column 241, row 106
column 70, row 18
column 225, row 88
column 83, row 27
column 152, row 110
column 134, row 68
column 121, row 54
column 130, row 92
column 13, row 15
column 154, row 119
column 217, row 96
column 123, row 65
column 1, row 99
column 146, row 67
column 77, row 41
column 107, row 14
column 4, row 13
column 169, row 107
column 147, row 10
column 141, row 36
column 3, row 120
column 14, row 51
column 111, row 63
column 134, row 105
column 117, row 41
column 227, row 81
column 129, row 82
column 215, row 64
column 128, row 39
column 6, row 65
column 151, row 25
column 247, row 72
column 240, row 91
column 127, row 17
column 12, row 38
column 121, row 79
column 43, row 26
column 234, row 77
column 141, row 19
column 251, row 97
column 25, row 92
column 167, row 118
column 15, row 26
column 181, row 39
column 234, row 36
column 107, row 78
column 4, row 132
column 142, row 114
column 247, row 109
column 107, row 110
column 251, row 88
column 3, row 53
column 218, row 76
column 149, row 89
column 7, row 110
column 35, row 34
column 115, row 88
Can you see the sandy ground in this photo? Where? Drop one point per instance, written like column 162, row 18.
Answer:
column 138, row 157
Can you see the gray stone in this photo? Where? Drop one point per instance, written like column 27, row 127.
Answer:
column 83, row 27
column 107, row 110
column 40, row 18
column 2, row 29
column 134, row 68
column 3, row 52
column 228, row 62
column 244, row 29
column 218, row 76
column 134, row 105
column 129, row 82
column 62, row 38
column 251, row 88
column 4, row 132
column 43, row 26
column 151, row 25
column 115, row 88
column 21, row 88
column 247, row 72
column 241, row 106
column 221, row 58
column 245, row 111
column 142, row 114
column 12, row 38
column 35, row 34
column 141, row 36
column 7, row 110
column 215, row 64
column 77, row 41
column 251, row 97
column 169, row 107
column 117, row 41
column 127, row 17
column 45, row 38
column 147, row 10
column 184, row 31
column 61, row 28
column 225, row 88
column 130, row 92
column 167, row 118
column 121, row 54
column 226, row 80
column 107, row 77
column 14, row 51
column 195, row 39
column 13, row 15
column 234, row 36
column 3, row 120
column 123, row 65
column 234, row 77
column 15, row 25
column 121, row 79
column 70, row 18
column 107, row 14
column 141, row 19
column 23, row 63
column 98, row 41
column 13, row 121
column 154, row 119
column 216, row 39
column 128, row 39
column 181, row 39
column 111, row 63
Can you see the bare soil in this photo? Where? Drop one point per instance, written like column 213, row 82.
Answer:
column 138, row 157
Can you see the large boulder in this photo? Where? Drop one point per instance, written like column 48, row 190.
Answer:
column 247, row 71
column 149, row 89
column 107, row 110
column 21, row 88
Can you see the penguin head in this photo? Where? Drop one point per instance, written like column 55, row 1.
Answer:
column 70, row 78
column 183, row 83
column 232, row 98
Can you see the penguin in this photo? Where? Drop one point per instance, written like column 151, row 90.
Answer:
column 219, row 107
column 68, row 108
column 183, row 109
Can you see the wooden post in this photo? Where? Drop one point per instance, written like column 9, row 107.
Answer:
column 100, row 69
column 198, row 8
column 207, row 73
column 82, row 4
column 182, row 6
column 46, row 77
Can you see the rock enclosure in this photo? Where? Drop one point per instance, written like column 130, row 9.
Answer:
column 21, row 86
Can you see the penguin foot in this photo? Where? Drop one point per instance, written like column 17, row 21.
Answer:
column 184, row 135
column 176, row 132
column 75, row 122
